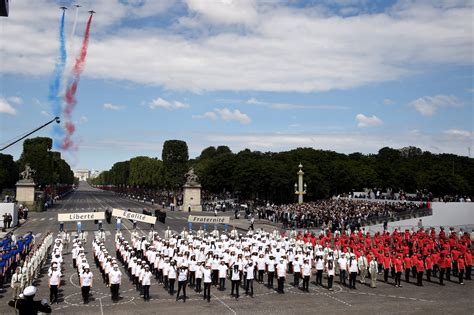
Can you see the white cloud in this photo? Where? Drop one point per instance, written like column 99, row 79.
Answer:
column 255, row 101
column 130, row 145
column 225, row 11
column 113, row 107
column 15, row 100
column 162, row 103
column 228, row 115
column 45, row 113
column 225, row 114
column 206, row 115
column 286, row 106
column 339, row 142
column 286, row 49
column 458, row 133
column 388, row 101
column 365, row 121
column 428, row 105
column 82, row 120
column 6, row 108
column 38, row 102
column 145, row 8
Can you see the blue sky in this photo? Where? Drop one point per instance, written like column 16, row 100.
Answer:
column 348, row 76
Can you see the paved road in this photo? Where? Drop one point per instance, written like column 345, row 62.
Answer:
column 431, row 298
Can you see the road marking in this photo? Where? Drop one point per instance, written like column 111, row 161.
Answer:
column 332, row 297
column 70, row 280
column 225, row 304
column 42, row 219
column 50, row 219
column 101, row 307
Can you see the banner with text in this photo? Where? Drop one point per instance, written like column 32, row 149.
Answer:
column 81, row 216
column 208, row 220
column 134, row 216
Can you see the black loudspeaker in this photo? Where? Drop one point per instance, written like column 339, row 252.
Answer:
column 3, row 7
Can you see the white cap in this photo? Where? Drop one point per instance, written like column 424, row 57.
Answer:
column 29, row 291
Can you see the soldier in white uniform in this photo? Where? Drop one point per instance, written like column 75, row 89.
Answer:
column 16, row 283
column 215, row 232
column 234, row 234
column 281, row 274
column 115, row 279
column 54, row 284
column 184, row 233
column 168, row 233
column 363, row 265
column 86, row 280
column 331, row 270
column 374, row 269
column 146, row 282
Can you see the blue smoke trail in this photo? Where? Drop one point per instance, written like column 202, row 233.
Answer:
column 55, row 87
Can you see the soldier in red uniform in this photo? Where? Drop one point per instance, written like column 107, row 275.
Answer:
column 442, row 268
column 386, row 267
column 460, row 264
column 448, row 264
column 468, row 259
column 414, row 261
column 420, row 268
column 407, row 266
column 455, row 254
column 398, row 265
column 435, row 256
column 429, row 267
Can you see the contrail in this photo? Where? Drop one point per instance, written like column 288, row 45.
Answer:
column 71, row 47
column 54, row 96
column 70, row 96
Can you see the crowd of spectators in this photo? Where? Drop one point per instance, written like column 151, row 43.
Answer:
column 389, row 194
column 420, row 195
column 334, row 213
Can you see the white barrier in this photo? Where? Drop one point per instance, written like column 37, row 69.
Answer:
column 444, row 214
column 10, row 208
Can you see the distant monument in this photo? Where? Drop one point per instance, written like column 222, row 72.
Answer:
column 192, row 192
column 25, row 187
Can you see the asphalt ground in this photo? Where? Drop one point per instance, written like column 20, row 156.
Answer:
column 385, row 299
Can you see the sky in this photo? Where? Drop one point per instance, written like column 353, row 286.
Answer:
column 341, row 75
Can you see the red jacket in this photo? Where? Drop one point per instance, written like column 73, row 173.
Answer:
column 420, row 265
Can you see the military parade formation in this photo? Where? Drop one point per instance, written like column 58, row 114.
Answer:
column 204, row 261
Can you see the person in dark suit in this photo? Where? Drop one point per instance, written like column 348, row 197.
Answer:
column 27, row 305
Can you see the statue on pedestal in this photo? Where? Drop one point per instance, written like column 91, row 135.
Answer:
column 191, row 178
column 192, row 192
column 27, row 174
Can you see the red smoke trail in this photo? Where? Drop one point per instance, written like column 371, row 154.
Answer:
column 70, row 96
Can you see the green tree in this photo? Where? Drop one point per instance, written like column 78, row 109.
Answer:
column 175, row 164
column 145, row 172
column 119, row 173
column 8, row 172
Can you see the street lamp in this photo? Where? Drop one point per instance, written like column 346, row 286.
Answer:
column 55, row 119
column 300, row 188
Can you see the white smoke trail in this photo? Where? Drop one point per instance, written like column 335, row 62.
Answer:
column 70, row 52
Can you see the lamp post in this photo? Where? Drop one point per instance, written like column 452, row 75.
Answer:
column 55, row 119
column 300, row 188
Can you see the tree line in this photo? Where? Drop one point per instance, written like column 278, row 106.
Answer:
column 272, row 175
column 50, row 168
